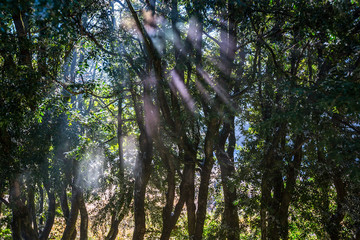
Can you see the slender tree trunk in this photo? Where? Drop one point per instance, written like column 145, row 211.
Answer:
column 288, row 192
column 114, row 227
column 21, row 22
column 50, row 214
column 334, row 225
column 41, row 204
column 64, row 204
column 226, row 158
column 170, row 215
column 16, row 205
column 170, row 196
column 143, row 163
column 120, row 139
column 230, row 215
column 83, row 216
column 70, row 229
column 126, row 192
column 211, row 134
column 115, row 221
column 276, row 197
column 271, row 180
column 189, row 175
column 31, row 206
column 142, row 175
column 147, row 125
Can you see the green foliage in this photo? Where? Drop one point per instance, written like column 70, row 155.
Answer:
column 5, row 220
column 80, row 87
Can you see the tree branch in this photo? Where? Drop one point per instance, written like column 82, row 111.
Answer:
column 5, row 202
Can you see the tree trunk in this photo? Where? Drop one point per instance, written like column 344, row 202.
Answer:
column 276, row 197
column 83, row 216
column 17, row 208
column 147, row 125
column 143, row 161
column 226, row 65
column 334, row 225
column 187, row 195
column 170, row 196
column 114, row 227
column 189, row 175
column 31, row 206
column 50, row 215
column 41, row 205
column 64, row 204
column 21, row 22
column 126, row 192
column 70, row 229
column 21, row 220
column 211, row 134
column 142, row 175
column 271, row 180
column 230, row 215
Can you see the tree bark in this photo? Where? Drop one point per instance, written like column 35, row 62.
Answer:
column 143, row 161
column 21, row 25
column 70, row 229
column 270, row 181
column 31, row 205
column 114, row 227
column 170, row 196
column 142, row 175
column 189, row 175
column 64, row 204
column 83, row 216
column 226, row 65
column 126, row 192
column 276, row 197
column 41, row 205
column 334, row 224
column 226, row 158
column 170, row 214
column 21, row 220
column 50, row 214
column 211, row 134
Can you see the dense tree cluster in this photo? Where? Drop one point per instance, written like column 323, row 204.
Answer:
column 179, row 119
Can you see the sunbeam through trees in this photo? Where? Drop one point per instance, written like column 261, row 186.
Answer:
column 132, row 119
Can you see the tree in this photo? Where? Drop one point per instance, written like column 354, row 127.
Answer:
column 237, row 117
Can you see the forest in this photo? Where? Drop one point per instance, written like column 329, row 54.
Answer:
column 179, row 119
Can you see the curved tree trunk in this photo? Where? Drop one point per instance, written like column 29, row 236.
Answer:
column 334, row 224
column 64, row 204
column 70, row 229
column 187, row 194
column 211, row 134
column 114, row 228
column 116, row 217
column 143, row 161
column 228, row 46
column 142, row 175
column 170, row 196
column 50, row 215
column 230, row 215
